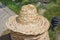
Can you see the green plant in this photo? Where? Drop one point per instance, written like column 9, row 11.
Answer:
column 52, row 35
column 52, row 9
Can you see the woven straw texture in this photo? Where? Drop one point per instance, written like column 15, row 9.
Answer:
column 28, row 22
column 19, row 36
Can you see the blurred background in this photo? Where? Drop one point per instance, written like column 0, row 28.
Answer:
column 52, row 8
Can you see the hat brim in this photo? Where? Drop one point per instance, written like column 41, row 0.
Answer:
column 29, row 29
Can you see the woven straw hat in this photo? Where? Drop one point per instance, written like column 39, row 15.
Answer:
column 28, row 21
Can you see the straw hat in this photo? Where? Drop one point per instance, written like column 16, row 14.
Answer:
column 28, row 21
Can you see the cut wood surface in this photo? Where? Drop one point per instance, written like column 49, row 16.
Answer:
column 5, row 13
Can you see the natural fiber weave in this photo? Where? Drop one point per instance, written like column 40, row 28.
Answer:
column 29, row 23
column 33, row 29
column 19, row 36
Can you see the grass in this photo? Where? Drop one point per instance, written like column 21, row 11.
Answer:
column 12, row 5
column 52, row 9
column 52, row 35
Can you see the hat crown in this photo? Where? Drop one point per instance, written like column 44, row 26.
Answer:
column 28, row 9
column 27, row 14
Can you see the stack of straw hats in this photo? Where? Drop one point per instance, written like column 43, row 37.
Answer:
column 27, row 23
